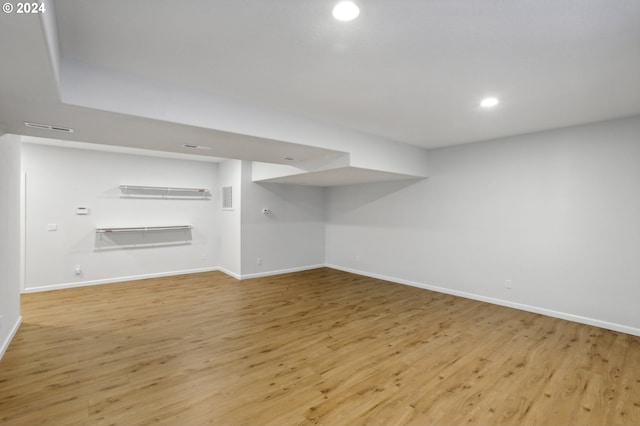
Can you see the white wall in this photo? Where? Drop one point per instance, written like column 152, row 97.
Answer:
column 98, row 88
column 291, row 236
column 555, row 212
column 60, row 179
column 558, row 213
column 9, row 239
column 230, row 174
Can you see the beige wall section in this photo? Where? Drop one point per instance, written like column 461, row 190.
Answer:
column 230, row 175
column 9, row 239
column 58, row 180
column 555, row 212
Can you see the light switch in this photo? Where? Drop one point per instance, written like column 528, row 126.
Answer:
column 52, row 227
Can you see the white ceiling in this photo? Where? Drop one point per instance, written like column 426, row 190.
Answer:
column 411, row 71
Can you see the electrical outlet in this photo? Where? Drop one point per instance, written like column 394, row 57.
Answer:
column 259, row 261
column 78, row 270
column 507, row 284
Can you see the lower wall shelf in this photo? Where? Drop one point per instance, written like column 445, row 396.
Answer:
column 143, row 229
column 113, row 237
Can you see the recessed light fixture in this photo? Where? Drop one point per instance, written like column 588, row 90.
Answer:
column 48, row 127
column 489, row 102
column 190, row 146
column 346, row 11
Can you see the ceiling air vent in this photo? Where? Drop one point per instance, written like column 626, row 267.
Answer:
column 48, row 127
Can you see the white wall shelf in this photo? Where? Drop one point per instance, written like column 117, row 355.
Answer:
column 144, row 229
column 140, row 236
column 133, row 191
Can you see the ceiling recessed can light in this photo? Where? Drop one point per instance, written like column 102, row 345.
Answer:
column 489, row 102
column 191, row 146
column 346, row 11
column 48, row 127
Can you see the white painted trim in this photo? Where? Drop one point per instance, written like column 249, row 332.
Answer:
column 7, row 341
column 228, row 272
column 281, row 271
column 118, row 279
column 543, row 311
column 168, row 274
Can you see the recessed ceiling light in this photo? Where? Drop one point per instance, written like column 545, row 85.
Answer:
column 48, row 127
column 346, row 11
column 489, row 102
column 190, row 146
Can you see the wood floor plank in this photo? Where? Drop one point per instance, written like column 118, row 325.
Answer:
column 314, row 347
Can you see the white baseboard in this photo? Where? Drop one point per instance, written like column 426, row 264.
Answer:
column 118, row 279
column 529, row 308
column 281, row 271
column 535, row 309
column 167, row 274
column 12, row 333
column 230, row 273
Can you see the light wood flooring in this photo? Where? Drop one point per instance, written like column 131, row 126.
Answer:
column 316, row 347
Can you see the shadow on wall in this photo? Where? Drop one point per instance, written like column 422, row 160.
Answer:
column 138, row 239
column 290, row 202
column 352, row 198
